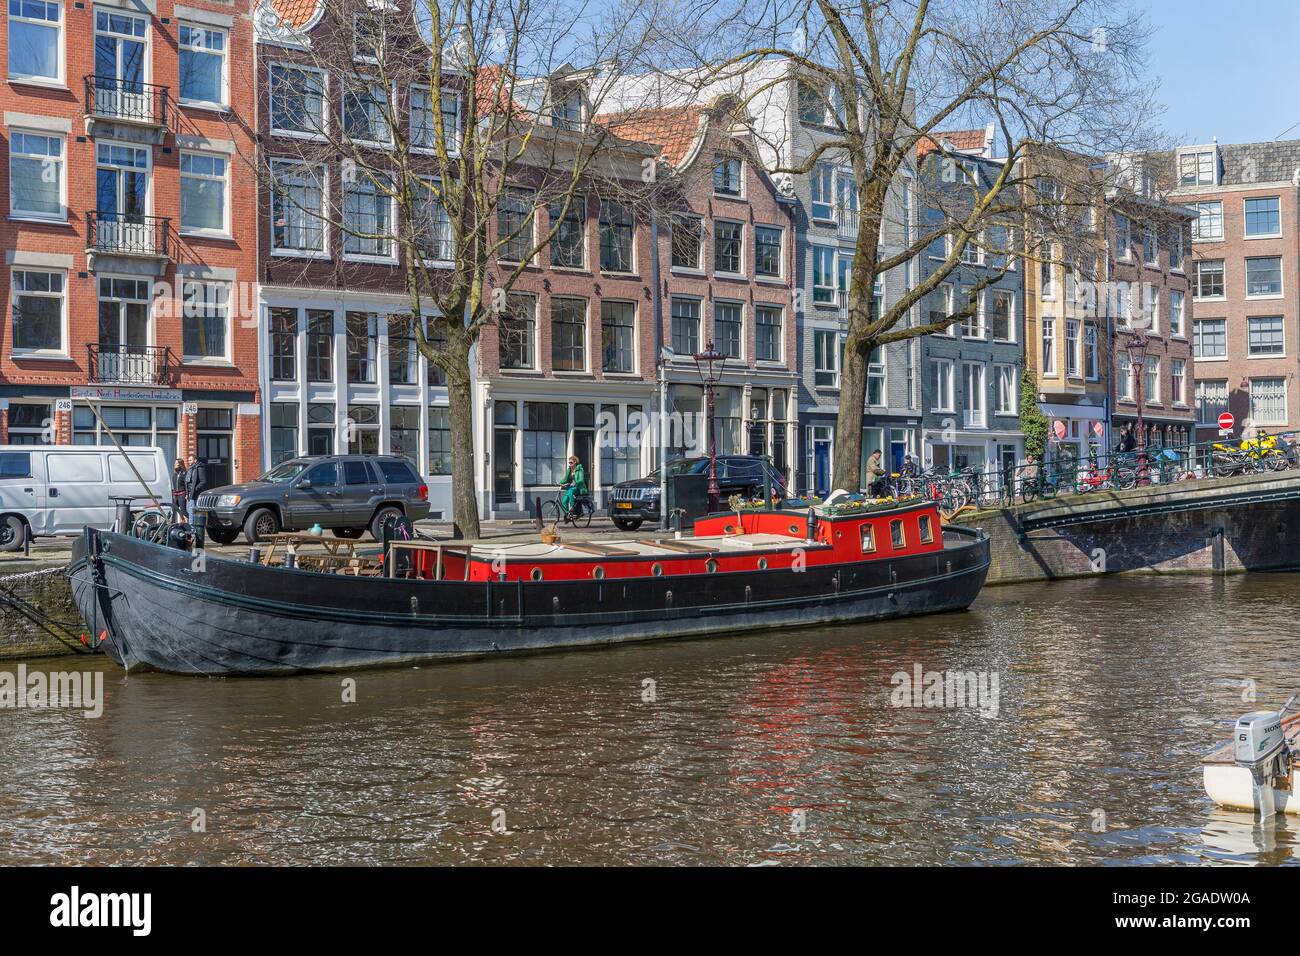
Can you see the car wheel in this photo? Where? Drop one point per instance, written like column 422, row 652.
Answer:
column 377, row 522
column 350, row 533
column 260, row 524
column 13, row 532
column 222, row 535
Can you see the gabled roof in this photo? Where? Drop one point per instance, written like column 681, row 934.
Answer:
column 295, row 14
column 973, row 141
column 675, row 129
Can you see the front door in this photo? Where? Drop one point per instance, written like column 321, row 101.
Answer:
column 503, row 467
column 821, row 460
column 215, row 426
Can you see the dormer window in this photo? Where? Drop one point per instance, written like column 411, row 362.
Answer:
column 726, row 176
column 1198, row 167
column 566, row 108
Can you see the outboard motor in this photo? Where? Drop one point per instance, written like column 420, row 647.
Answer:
column 1260, row 746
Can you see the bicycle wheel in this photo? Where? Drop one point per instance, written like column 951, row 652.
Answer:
column 552, row 512
column 149, row 525
column 1028, row 492
column 1125, row 479
column 582, row 517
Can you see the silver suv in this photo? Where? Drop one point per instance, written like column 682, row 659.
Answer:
column 348, row 494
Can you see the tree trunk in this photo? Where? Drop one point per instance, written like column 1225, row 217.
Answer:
column 847, row 473
column 464, row 492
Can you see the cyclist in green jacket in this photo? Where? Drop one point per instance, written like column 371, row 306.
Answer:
column 574, row 484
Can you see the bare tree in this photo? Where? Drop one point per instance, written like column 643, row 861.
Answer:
column 460, row 135
column 869, row 83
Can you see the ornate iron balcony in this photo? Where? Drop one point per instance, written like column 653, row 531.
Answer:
column 107, row 97
column 130, row 364
column 127, row 234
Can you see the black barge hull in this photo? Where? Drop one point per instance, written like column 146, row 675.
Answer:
column 160, row 608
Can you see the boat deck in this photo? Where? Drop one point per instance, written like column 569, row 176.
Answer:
column 625, row 548
column 1224, row 753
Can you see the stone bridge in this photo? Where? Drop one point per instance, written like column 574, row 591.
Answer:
column 1215, row 525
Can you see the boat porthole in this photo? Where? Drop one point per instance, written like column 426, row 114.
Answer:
column 598, row 572
column 730, row 529
column 537, row 574
column 711, row 566
column 794, row 529
column 762, row 564
column 657, row 570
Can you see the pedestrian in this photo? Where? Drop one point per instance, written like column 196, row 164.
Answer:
column 196, row 481
column 179, row 493
column 876, row 474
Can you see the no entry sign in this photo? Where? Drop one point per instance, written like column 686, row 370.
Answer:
column 1226, row 421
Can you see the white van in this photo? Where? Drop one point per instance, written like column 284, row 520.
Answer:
column 59, row 489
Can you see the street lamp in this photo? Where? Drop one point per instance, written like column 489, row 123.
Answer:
column 1137, row 360
column 709, row 364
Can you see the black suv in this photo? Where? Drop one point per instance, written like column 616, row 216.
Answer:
column 632, row 502
column 349, row 494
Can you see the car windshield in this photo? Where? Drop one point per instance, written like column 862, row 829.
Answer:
column 285, row 472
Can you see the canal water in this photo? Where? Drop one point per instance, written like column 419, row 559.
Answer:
column 771, row 748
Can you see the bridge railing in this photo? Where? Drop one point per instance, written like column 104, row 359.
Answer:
column 1065, row 474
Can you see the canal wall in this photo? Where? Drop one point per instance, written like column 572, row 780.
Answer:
column 1213, row 536
column 41, row 589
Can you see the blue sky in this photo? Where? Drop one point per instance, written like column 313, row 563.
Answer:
column 1227, row 68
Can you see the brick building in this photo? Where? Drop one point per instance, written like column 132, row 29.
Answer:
column 1146, row 256
column 1244, row 282
column 341, row 371
column 726, row 265
column 127, row 249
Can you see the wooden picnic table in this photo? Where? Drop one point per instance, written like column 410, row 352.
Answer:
column 334, row 546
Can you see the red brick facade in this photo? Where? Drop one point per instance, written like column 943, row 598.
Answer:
column 121, row 130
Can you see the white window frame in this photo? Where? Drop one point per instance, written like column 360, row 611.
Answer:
column 324, row 118
column 1260, row 235
column 324, row 174
column 60, row 43
column 974, row 410
column 1123, row 237
column 1151, row 385
column 1178, row 310
column 1005, row 375
column 1073, row 349
column 1178, row 382
column 947, row 290
column 1281, row 321
column 223, row 359
column 224, row 103
column 1010, row 298
column 375, row 92
column 224, row 231
column 1150, row 247
column 435, row 263
column 724, row 220
column 944, row 395
column 1202, row 208
column 1124, row 367
column 1245, row 276
column 1256, row 418
column 1200, row 400
column 384, row 258
column 780, row 255
column 61, row 353
column 1047, row 336
column 1209, row 358
column 14, row 211
column 452, row 141
column 837, row 344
